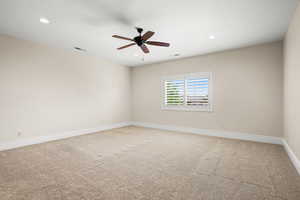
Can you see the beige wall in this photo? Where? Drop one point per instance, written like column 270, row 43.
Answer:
column 292, row 84
column 48, row 91
column 45, row 90
column 248, row 89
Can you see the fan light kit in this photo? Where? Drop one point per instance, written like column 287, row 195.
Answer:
column 141, row 41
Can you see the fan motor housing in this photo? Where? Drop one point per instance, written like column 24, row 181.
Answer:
column 138, row 40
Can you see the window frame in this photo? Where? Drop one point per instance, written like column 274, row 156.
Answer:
column 201, row 108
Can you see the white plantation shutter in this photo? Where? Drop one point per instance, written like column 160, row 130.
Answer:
column 174, row 91
column 197, row 91
column 188, row 92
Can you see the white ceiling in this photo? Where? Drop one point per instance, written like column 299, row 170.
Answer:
column 187, row 25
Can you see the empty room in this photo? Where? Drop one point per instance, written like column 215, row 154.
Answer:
column 149, row 100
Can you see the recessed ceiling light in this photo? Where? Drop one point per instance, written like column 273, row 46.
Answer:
column 212, row 37
column 44, row 20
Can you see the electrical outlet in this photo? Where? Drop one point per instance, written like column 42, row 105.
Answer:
column 19, row 133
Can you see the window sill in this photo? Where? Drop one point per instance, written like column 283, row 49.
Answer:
column 188, row 109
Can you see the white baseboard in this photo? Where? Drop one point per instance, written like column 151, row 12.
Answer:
column 42, row 139
column 292, row 155
column 230, row 135
column 215, row 133
column 207, row 132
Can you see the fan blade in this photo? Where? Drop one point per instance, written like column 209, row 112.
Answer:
column 147, row 35
column 128, row 45
column 121, row 37
column 145, row 49
column 162, row 44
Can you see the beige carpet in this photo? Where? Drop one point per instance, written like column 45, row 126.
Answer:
column 138, row 163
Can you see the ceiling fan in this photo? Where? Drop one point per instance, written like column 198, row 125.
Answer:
column 141, row 40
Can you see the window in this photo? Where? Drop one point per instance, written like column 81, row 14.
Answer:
column 191, row 92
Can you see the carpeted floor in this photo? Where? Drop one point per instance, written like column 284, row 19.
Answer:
column 138, row 163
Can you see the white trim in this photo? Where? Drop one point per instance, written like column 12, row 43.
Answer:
column 203, row 108
column 207, row 132
column 42, row 139
column 230, row 135
column 292, row 155
column 215, row 133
